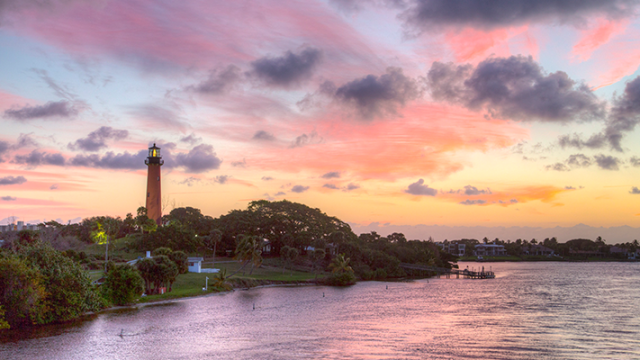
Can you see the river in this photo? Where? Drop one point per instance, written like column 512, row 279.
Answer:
column 549, row 310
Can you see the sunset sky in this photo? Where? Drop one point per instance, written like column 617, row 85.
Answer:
column 398, row 112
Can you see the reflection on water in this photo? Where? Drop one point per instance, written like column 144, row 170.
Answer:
column 531, row 310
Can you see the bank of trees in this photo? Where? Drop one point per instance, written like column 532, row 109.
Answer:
column 39, row 285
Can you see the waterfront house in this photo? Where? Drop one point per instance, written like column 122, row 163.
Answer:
column 489, row 250
column 540, row 250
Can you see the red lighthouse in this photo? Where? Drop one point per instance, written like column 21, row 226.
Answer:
column 154, row 201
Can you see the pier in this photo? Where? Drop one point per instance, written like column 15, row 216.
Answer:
column 449, row 273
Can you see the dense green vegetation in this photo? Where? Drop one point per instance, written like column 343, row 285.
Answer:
column 44, row 275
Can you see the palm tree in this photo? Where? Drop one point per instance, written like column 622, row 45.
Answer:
column 211, row 242
column 249, row 249
column 340, row 264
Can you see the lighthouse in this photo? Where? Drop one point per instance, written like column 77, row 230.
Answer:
column 154, row 200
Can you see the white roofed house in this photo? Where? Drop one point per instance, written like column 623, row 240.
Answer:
column 195, row 264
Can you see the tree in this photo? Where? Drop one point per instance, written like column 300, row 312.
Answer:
column 249, row 249
column 123, row 285
column 146, row 267
column 211, row 241
column 144, row 223
column 21, row 292
column 181, row 260
column 104, row 228
column 69, row 292
column 340, row 264
column 317, row 256
column 289, row 255
column 342, row 273
column 165, row 272
column 162, row 251
column 220, row 280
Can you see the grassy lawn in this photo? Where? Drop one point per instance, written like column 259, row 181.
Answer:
column 191, row 284
column 265, row 272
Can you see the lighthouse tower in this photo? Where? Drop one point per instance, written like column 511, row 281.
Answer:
column 154, row 201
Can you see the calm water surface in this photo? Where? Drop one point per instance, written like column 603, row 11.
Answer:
column 531, row 310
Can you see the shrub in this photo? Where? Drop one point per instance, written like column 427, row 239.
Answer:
column 380, row 274
column 123, row 285
column 341, row 279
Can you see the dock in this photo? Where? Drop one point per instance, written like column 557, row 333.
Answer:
column 450, row 273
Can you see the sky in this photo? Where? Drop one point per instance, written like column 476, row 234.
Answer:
column 383, row 113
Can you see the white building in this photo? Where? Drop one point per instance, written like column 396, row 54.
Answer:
column 195, row 264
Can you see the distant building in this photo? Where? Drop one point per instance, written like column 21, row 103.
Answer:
column 489, row 250
column 455, row 247
column 540, row 250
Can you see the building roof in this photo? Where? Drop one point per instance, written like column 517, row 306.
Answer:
column 194, row 259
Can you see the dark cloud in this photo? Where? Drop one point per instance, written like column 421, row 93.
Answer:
column 558, row 167
column 331, row 175
column 267, row 178
column 473, row 202
column 377, row 96
column 287, row 70
column 190, row 181
column 351, row 187
column 634, row 190
column 97, row 140
column 53, row 187
column 12, row 180
column 4, row 147
column 263, row 136
column 472, row 190
column 435, row 15
column 418, row 188
column 304, row 140
column 607, row 162
column 625, row 114
column 240, row 164
column 111, row 160
column 330, row 186
column 201, row 158
column 52, row 109
column 569, row 188
column 596, row 141
column 623, row 118
column 299, row 189
column 8, row 198
column 36, row 158
column 191, row 139
column 24, row 140
column 220, row 81
column 514, row 88
column 280, row 193
column 635, row 161
column 579, row 160
column 221, row 179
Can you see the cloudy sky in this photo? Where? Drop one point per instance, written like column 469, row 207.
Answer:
column 399, row 112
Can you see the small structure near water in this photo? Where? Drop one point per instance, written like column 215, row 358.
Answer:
column 195, row 266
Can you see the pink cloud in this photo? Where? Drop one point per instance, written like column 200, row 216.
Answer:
column 8, row 100
column 614, row 60
column 593, row 38
column 423, row 142
column 165, row 34
column 472, row 45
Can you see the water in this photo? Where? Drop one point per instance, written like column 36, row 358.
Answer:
column 531, row 310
